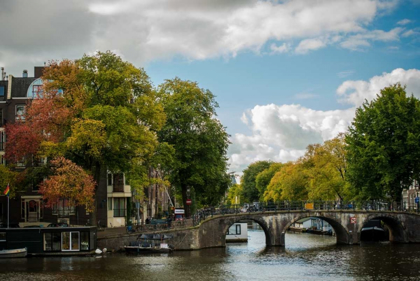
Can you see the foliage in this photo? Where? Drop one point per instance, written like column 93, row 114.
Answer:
column 263, row 178
column 100, row 112
column 199, row 139
column 326, row 169
column 249, row 184
column 8, row 177
column 290, row 183
column 234, row 195
column 383, row 145
column 68, row 181
column 22, row 142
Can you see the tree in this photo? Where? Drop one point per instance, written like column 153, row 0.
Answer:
column 290, row 183
column 249, row 180
column 263, row 178
column 100, row 112
column 199, row 139
column 326, row 168
column 68, row 181
column 384, row 145
column 234, row 195
column 8, row 177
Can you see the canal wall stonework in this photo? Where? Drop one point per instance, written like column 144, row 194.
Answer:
column 404, row 228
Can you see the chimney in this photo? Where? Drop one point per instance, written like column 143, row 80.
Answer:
column 9, row 87
column 38, row 70
column 3, row 74
column 25, row 73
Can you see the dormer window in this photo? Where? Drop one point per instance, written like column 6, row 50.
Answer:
column 20, row 112
column 35, row 89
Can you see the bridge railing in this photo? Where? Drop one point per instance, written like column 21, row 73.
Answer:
column 372, row 205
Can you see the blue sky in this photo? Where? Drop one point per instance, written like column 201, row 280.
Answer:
column 286, row 74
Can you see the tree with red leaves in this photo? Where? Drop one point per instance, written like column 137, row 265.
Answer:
column 68, row 181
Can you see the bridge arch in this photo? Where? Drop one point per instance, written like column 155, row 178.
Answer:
column 341, row 232
column 397, row 231
column 259, row 220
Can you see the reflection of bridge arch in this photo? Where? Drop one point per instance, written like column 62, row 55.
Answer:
column 341, row 232
column 397, row 231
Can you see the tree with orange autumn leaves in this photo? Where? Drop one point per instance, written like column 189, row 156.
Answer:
column 93, row 114
column 68, row 180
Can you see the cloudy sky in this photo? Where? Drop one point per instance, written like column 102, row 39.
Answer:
column 286, row 73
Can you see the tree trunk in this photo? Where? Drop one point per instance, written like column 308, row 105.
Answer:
column 94, row 213
column 184, row 202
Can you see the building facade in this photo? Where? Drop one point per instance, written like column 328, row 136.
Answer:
column 409, row 196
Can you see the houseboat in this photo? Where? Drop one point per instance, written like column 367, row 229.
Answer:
column 238, row 232
column 312, row 225
column 50, row 240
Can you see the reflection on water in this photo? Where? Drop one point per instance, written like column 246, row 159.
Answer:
column 306, row 257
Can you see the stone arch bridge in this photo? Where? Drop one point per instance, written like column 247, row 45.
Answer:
column 404, row 227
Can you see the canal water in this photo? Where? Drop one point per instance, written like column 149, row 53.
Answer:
column 305, row 257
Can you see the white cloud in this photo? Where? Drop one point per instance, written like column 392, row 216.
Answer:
column 343, row 74
column 309, row 44
column 161, row 29
column 244, row 119
column 284, row 48
column 404, row 22
column 411, row 32
column 362, row 39
column 355, row 92
column 282, row 132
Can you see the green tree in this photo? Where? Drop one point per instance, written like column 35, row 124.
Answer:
column 249, row 180
column 199, row 139
column 326, row 168
column 8, row 177
column 234, row 195
column 289, row 183
column 263, row 178
column 383, row 149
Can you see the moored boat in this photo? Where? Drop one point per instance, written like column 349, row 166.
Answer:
column 149, row 243
column 13, row 253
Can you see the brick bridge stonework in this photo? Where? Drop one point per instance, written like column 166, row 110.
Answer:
column 404, row 228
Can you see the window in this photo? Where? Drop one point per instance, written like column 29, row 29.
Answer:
column 37, row 91
column 118, row 183
column 1, row 91
column 20, row 112
column 52, row 242
column 119, row 207
column 238, row 229
column 2, row 140
column 23, row 209
column 109, row 179
column 62, row 208
column 84, row 241
column 1, row 117
column 2, row 160
column 70, row 241
column 20, row 163
column 110, row 203
column 2, row 236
